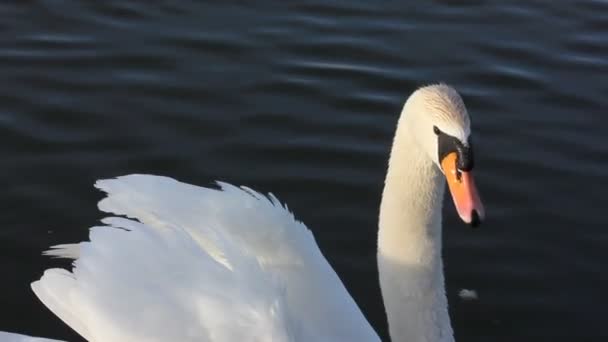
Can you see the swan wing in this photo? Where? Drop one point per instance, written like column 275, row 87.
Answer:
column 198, row 264
column 11, row 337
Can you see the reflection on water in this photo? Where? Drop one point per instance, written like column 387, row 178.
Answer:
column 301, row 100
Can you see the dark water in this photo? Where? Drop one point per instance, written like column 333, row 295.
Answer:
column 302, row 100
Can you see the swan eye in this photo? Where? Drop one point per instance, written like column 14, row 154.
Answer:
column 436, row 130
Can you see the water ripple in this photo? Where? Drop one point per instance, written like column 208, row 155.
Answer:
column 301, row 99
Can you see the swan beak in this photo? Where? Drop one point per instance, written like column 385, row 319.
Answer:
column 463, row 190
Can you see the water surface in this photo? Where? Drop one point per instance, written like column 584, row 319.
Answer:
column 302, row 100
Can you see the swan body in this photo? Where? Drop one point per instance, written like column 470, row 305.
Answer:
column 9, row 337
column 199, row 272
column 179, row 262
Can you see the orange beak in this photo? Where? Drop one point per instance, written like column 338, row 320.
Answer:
column 463, row 190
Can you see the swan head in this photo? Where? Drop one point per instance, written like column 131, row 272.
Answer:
column 441, row 126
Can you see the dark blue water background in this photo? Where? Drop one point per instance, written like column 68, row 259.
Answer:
column 301, row 100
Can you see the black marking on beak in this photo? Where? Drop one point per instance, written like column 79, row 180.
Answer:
column 475, row 220
column 448, row 144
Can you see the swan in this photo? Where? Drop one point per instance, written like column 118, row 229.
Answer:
column 180, row 262
column 10, row 337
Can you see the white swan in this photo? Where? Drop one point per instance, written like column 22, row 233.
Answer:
column 9, row 337
column 234, row 265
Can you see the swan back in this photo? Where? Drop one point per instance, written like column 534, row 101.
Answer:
column 10, row 337
column 200, row 264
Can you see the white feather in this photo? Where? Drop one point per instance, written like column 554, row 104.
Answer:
column 200, row 265
column 234, row 265
column 67, row 251
column 10, row 337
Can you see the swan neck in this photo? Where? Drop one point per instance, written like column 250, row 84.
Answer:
column 409, row 244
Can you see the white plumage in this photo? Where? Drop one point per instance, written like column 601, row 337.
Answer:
column 192, row 269
column 9, row 337
column 230, row 264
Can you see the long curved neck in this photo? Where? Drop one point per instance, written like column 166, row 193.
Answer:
column 409, row 244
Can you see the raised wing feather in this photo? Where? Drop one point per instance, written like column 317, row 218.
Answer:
column 200, row 265
column 10, row 337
